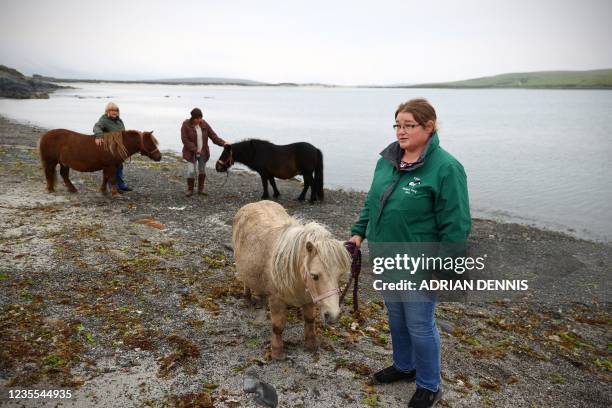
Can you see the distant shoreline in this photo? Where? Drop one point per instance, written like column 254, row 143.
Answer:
column 600, row 79
column 163, row 82
column 295, row 85
column 14, row 84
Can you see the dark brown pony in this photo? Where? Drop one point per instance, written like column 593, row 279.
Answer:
column 284, row 162
column 79, row 152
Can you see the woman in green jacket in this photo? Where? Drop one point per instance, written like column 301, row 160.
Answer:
column 111, row 122
column 418, row 197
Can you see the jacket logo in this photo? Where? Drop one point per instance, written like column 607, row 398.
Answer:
column 411, row 187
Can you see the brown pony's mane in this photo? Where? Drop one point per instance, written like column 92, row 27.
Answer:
column 153, row 139
column 113, row 143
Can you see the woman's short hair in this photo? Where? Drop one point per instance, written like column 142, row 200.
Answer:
column 196, row 113
column 111, row 106
column 421, row 110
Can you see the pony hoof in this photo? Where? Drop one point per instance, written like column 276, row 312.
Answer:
column 250, row 302
column 279, row 355
column 73, row 190
column 312, row 345
column 300, row 199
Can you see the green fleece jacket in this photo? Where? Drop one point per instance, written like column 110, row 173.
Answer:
column 426, row 203
column 106, row 124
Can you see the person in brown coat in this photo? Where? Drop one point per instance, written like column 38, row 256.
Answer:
column 195, row 133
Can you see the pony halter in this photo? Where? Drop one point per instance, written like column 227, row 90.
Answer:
column 229, row 162
column 317, row 298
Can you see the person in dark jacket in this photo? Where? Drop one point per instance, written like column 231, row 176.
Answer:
column 418, row 195
column 111, row 122
column 195, row 133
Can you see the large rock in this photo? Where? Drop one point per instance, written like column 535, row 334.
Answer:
column 13, row 84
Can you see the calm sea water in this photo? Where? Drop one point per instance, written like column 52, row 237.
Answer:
column 539, row 157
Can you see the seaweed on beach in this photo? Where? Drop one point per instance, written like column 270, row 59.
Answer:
column 36, row 349
column 183, row 351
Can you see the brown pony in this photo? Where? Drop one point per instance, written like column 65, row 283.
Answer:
column 79, row 152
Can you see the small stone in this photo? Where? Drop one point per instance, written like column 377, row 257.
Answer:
column 265, row 394
column 344, row 395
column 445, row 326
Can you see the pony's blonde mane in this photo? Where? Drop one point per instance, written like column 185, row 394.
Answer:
column 153, row 139
column 290, row 250
column 113, row 143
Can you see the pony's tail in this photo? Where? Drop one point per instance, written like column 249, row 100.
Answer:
column 318, row 176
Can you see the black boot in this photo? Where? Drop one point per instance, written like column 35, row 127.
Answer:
column 423, row 398
column 391, row 374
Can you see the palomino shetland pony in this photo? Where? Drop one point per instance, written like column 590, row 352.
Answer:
column 289, row 263
column 284, row 162
column 79, row 152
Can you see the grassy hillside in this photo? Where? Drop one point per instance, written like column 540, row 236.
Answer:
column 596, row 79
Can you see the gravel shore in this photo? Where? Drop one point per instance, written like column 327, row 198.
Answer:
column 132, row 301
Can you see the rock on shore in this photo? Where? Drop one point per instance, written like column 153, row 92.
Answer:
column 13, row 84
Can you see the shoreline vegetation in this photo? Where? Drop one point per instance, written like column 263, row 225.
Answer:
column 134, row 301
column 14, row 84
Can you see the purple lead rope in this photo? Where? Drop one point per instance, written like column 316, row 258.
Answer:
column 355, row 253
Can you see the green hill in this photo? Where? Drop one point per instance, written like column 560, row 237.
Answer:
column 595, row 79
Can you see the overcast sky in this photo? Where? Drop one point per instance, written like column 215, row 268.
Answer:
column 339, row 42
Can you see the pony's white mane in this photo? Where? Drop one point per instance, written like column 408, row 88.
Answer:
column 290, row 250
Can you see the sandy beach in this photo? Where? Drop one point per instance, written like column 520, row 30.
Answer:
column 132, row 301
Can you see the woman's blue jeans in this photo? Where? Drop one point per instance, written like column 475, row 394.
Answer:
column 416, row 341
column 119, row 175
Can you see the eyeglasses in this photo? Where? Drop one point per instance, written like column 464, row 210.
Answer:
column 410, row 126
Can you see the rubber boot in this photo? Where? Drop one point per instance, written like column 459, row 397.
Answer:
column 201, row 178
column 190, row 184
